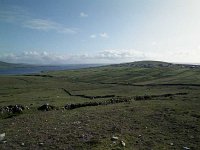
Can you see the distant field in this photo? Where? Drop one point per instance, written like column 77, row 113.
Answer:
column 158, row 122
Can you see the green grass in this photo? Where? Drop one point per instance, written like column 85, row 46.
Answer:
column 135, row 75
column 149, row 124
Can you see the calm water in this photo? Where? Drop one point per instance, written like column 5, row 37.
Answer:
column 35, row 69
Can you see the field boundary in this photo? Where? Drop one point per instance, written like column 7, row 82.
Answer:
column 86, row 96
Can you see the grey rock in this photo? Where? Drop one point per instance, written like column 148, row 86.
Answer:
column 123, row 143
column 2, row 136
column 41, row 144
column 22, row 144
column 114, row 138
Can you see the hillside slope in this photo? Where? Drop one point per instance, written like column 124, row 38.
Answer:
column 88, row 107
column 144, row 72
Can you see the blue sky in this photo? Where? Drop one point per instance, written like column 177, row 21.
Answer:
column 99, row 31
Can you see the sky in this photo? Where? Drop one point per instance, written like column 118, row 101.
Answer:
column 99, row 31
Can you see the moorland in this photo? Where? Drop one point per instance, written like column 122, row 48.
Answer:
column 140, row 105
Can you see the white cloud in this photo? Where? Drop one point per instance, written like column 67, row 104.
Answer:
column 104, row 56
column 104, row 35
column 117, row 54
column 83, row 15
column 35, row 57
column 40, row 24
column 17, row 15
column 46, row 25
column 154, row 43
column 93, row 36
column 175, row 55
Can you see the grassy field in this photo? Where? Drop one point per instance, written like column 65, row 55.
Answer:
column 160, row 122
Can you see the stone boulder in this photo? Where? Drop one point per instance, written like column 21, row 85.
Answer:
column 12, row 109
column 46, row 107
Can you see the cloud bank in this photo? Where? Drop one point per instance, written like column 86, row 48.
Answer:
column 105, row 56
column 102, row 35
column 83, row 15
column 47, row 25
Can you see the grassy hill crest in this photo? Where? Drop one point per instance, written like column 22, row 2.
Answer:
column 152, row 64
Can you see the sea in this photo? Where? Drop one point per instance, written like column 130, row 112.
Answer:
column 39, row 69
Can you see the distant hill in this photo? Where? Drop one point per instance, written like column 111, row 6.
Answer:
column 5, row 65
column 142, row 72
column 13, row 69
column 154, row 64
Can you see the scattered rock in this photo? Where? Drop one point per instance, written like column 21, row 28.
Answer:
column 41, row 144
column 192, row 137
column 2, row 136
column 114, row 138
column 123, row 143
column 12, row 109
column 76, row 122
column 4, row 141
column 27, row 107
column 171, row 144
column 22, row 144
column 46, row 107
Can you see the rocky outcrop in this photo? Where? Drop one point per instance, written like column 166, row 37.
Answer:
column 46, row 107
column 12, row 109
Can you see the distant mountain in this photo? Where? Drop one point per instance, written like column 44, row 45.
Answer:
column 13, row 69
column 5, row 65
